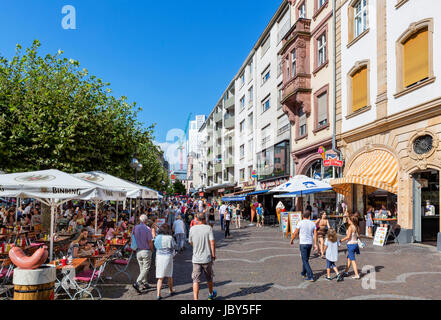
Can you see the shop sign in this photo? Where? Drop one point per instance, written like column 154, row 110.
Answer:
column 201, row 194
column 333, row 163
column 380, row 236
column 272, row 184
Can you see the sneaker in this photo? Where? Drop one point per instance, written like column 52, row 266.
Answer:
column 310, row 280
column 345, row 274
column 158, row 298
column 304, row 276
column 328, row 278
column 170, row 294
column 213, row 295
column 356, row 277
column 339, row 277
column 136, row 286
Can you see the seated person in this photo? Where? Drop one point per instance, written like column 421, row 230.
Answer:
column 110, row 234
column 79, row 248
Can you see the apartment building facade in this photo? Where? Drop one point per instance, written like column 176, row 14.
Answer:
column 389, row 111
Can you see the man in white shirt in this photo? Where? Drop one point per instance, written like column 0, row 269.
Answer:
column 222, row 210
column 307, row 232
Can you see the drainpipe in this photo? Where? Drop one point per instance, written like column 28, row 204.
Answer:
column 334, row 79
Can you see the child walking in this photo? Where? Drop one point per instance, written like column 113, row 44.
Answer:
column 331, row 248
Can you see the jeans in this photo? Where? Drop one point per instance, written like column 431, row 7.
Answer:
column 144, row 258
column 227, row 228
column 305, row 251
column 180, row 239
column 222, row 221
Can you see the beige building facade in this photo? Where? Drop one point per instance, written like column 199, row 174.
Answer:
column 389, row 111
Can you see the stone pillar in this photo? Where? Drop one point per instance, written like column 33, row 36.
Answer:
column 359, row 204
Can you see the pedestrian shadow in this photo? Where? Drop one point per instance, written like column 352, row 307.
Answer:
column 202, row 286
column 247, row 291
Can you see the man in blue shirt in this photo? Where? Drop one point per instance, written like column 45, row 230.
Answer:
column 144, row 242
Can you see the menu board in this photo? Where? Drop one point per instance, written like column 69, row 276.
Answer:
column 160, row 221
column 294, row 218
column 380, row 236
column 284, row 217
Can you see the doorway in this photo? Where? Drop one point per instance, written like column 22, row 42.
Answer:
column 426, row 209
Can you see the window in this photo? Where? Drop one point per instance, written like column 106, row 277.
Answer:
column 416, row 58
column 321, row 42
column 242, row 126
column 266, row 104
column 266, row 75
column 294, row 62
column 242, row 103
column 242, row 174
column 250, row 171
column 282, row 124
column 251, row 148
column 266, row 135
column 302, row 122
column 321, row 3
column 242, row 79
column 250, row 123
column 266, row 45
column 360, row 19
column 279, row 66
column 250, row 96
column 242, row 151
column 250, row 69
column 302, row 11
column 359, row 89
column 279, row 98
column 322, row 110
column 287, row 68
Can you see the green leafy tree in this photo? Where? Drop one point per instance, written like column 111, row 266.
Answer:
column 179, row 188
column 53, row 114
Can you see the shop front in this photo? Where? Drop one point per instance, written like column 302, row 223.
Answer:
column 400, row 170
column 310, row 163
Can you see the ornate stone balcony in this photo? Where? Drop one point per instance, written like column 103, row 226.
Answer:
column 296, row 90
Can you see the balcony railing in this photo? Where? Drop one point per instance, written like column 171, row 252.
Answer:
column 283, row 129
column 229, row 163
column 229, row 122
column 217, row 116
column 218, row 167
column 265, row 141
column 229, row 103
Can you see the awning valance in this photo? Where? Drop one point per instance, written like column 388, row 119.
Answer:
column 377, row 169
column 233, row 199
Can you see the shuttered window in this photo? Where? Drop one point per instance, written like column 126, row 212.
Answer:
column 416, row 58
column 359, row 89
column 322, row 110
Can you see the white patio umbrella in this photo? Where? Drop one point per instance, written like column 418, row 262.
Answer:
column 51, row 187
column 300, row 185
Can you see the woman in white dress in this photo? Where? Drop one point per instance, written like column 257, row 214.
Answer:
column 165, row 250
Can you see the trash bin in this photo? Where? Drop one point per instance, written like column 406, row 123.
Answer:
column 37, row 284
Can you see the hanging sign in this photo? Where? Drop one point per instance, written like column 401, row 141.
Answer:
column 333, row 163
column 380, row 236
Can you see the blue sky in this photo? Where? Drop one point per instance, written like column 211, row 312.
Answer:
column 171, row 57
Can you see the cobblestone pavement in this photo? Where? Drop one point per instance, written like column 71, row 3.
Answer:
column 260, row 264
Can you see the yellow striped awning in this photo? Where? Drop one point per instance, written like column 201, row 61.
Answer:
column 376, row 169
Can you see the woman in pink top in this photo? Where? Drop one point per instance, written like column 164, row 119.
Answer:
column 110, row 231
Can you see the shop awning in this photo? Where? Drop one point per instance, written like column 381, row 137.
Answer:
column 257, row 192
column 377, row 169
column 232, row 199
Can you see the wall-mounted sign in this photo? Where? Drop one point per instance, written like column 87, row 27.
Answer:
column 333, row 163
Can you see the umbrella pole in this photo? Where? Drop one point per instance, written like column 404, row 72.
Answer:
column 16, row 209
column 130, row 210
column 52, row 231
column 116, row 212
column 96, row 217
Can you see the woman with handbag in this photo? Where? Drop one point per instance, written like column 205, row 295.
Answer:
column 322, row 229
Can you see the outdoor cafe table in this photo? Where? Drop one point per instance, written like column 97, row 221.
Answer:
column 68, row 273
column 389, row 229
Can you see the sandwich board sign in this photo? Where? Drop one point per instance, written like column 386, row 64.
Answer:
column 294, row 219
column 380, row 236
column 284, row 218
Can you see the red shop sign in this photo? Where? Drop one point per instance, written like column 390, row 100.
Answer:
column 333, row 163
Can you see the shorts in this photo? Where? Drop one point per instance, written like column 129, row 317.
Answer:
column 205, row 268
column 330, row 264
column 259, row 217
column 352, row 250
